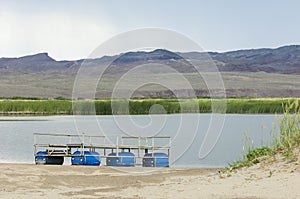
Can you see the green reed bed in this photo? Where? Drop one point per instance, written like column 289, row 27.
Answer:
column 144, row 106
column 36, row 106
column 140, row 106
column 255, row 105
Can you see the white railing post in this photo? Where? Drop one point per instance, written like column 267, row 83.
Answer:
column 117, row 152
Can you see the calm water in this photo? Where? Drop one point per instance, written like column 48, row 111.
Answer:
column 223, row 135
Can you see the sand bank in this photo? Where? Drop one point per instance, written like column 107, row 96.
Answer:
column 260, row 181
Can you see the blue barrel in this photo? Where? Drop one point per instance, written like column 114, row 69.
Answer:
column 125, row 159
column 156, row 160
column 43, row 158
column 89, row 158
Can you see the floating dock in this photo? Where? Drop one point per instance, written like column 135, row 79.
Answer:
column 55, row 146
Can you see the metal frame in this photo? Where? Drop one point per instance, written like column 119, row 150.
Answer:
column 66, row 150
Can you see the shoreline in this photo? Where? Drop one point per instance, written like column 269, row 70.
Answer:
column 21, row 114
column 52, row 181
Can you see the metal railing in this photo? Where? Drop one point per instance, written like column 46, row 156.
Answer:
column 141, row 145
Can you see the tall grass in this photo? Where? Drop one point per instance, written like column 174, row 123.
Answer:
column 285, row 144
column 289, row 137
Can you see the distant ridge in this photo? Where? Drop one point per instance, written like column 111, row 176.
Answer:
column 252, row 72
column 158, row 54
column 284, row 60
column 36, row 63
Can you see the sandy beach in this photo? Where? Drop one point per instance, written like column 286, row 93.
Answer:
column 271, row 181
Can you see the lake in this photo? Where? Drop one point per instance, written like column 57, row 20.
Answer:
column 220, row 137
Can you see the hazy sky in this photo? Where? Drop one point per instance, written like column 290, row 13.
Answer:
column 71, row 29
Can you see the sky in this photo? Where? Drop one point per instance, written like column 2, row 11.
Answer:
column 72, row 29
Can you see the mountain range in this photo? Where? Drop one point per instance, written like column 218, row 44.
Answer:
column 32, row 75
column 285, row 60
